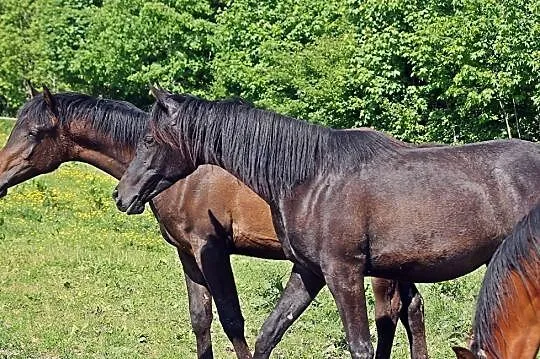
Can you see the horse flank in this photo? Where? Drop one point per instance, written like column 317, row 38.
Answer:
column 519, row 253
column 122, row 121
column 259, row 145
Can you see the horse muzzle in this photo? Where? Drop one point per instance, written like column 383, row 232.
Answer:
column 131, row 206
column 4, row 185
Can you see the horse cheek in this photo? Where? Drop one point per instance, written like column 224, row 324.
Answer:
column 462, row 353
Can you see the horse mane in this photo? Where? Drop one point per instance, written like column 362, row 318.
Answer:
column 268, row 151
column 121, row 120
column 518, row 253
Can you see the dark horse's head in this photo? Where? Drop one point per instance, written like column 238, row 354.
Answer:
column 160, row 158
column 35, row 145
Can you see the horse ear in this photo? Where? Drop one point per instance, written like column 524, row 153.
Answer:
column 158, row 91
column 51, row 105
column 160, row 95
column 31, row 91
column 462, row 353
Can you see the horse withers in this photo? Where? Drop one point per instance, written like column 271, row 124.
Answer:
column 507, row 320
column 345, row 204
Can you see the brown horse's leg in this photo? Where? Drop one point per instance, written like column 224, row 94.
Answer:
column 200, row 305
column 412, row 317
column 387, row 310
column 299, row 292
column 345, row 279
column 214, row 261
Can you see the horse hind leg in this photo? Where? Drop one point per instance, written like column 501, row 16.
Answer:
column 393, row 301
column 200, row 306
column 412, row 317
column 387, row 311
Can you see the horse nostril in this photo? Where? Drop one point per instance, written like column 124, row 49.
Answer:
column 115, row 194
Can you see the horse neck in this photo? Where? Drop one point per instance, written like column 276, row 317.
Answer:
column 271, row 168
column 99, row 150
column 517, row 331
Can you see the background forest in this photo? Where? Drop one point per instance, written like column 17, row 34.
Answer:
column 430, row 70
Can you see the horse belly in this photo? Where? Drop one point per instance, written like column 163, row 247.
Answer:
column 416, row 265
column 427, row 230
column 425, row 245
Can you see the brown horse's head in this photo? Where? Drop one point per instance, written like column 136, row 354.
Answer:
column 506, row 321
column 462, row 353
column 158, row 163
column 35, row 144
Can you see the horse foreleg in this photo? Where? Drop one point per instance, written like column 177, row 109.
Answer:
column 200, row 305
column 412, row 317
column 214, row 262
column 345, row 279
column 387, row 311
column 299, row 292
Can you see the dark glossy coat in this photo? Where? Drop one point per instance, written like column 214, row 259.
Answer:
column 346, row 204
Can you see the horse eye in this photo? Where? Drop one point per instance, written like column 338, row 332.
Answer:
column 33, row 134
column 149, row 140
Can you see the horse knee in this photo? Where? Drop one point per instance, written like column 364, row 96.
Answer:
column 201, row 322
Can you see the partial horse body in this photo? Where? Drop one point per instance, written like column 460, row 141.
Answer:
column 507, row 320
column 207, row 217
column 345, row 204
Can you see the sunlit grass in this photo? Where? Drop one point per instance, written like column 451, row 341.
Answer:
column 78, row 279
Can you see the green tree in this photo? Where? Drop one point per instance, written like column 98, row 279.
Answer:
column 290, row 56
column 442, row 71
column 38, row 40
column 130, row 45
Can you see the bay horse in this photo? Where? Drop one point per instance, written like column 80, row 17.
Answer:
column 53, row 129
column 507, row 319
column 345, row 204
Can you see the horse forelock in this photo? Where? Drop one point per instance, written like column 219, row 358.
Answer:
column 157, row 127
column 517, row 258
column 122, row 121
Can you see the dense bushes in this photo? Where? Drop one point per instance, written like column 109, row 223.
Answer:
column 423, row 70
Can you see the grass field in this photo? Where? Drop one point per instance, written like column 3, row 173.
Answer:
column 78, row 279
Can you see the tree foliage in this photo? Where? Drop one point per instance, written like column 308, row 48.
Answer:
column 422, row 70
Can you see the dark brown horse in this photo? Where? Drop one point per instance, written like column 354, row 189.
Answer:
column 345, row 204
column 507, row 320
column 52, row 129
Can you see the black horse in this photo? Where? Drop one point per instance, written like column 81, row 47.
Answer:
column 345, row 204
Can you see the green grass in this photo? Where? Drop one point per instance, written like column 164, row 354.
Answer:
column 78, row 279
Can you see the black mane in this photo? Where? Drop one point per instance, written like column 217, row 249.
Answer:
column 518, row 253
column 270, row 152
column 121, row 120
